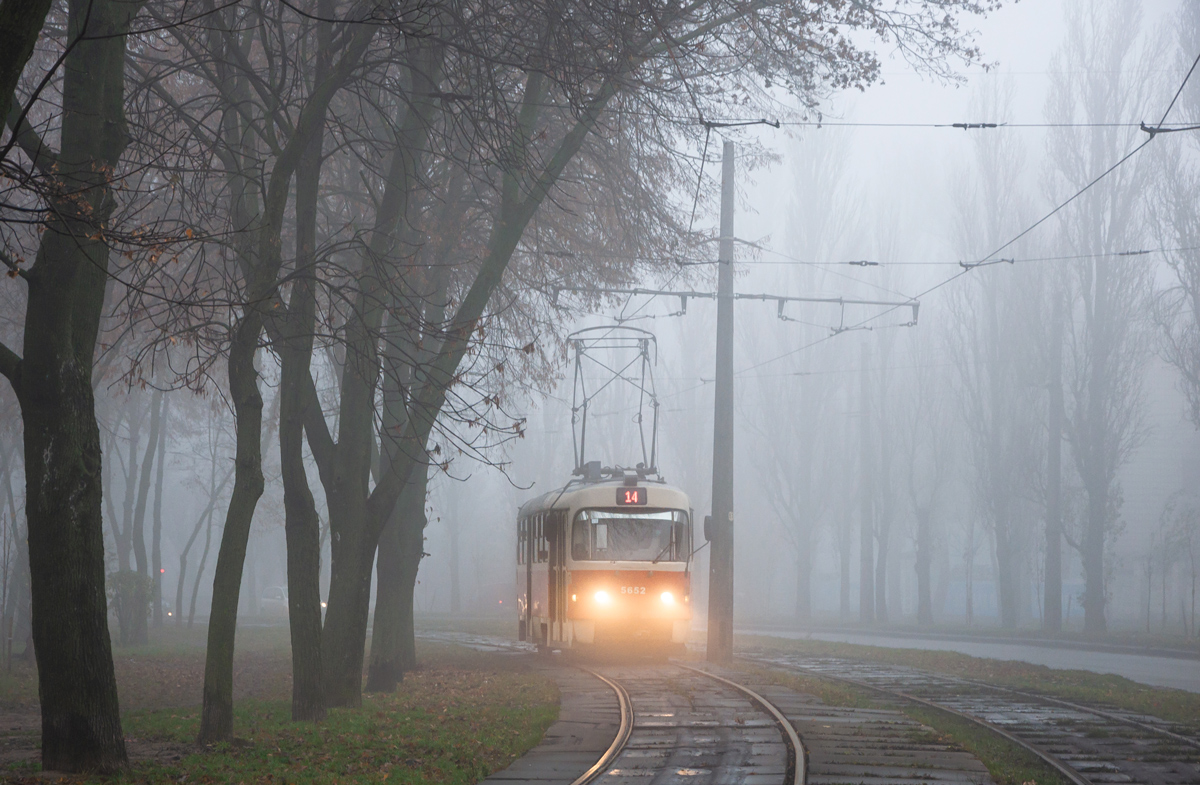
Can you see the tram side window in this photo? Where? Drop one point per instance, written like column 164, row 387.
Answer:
column 522, row 539
column 542, row 543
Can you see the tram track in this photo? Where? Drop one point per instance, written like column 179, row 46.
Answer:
column 674, row 723
column 690, row 733
column 1087, row 745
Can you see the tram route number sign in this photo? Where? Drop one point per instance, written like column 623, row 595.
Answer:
column 628, row 497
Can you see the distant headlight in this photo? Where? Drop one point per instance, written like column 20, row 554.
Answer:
column 668, row 598
column 602, row 598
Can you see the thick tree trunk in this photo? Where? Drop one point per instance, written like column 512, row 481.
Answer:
column 302, row 525
column 343, row 641
column 216, row 720
column 81, row 725
column 20, row 25
column 410, row 565
column 400, row 546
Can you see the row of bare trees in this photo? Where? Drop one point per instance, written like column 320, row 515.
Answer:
column 1016, row 410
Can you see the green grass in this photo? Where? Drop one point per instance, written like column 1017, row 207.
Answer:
column 1008, row 763
column 456, row 719
column 1177, row 706
column 831, row 693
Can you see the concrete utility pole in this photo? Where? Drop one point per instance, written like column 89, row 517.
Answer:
column 866, row 538
column 720, row 574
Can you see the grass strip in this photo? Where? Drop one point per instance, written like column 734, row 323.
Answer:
column 1101, row 689
column 454, row 721
column 1008, row 763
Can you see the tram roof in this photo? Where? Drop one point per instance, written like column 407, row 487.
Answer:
column 602, row 494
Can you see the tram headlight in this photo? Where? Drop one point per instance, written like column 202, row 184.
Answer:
column 602, row 598
column 667, row 598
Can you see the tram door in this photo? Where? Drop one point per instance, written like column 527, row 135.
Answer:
column 556, row 533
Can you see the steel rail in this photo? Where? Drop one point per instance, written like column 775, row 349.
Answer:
column 618, row 743
column 1053, row 761
column 1089, row 710
column 800, row 770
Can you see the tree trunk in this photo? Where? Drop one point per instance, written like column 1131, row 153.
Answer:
column 410, row 565
column 804, row 574
column 455, row 578
column 844, row 572
column 866, row 530
column 156, row 568
column 883, row 536
column 1006, row 571
column 924, row 592
column 355, row 522
column 205, row 519
column 343, row 641
column 1052, row 599
column 216, row 720
column 141, row 635
column 302, row 525
column 81, row 724
column 1095, row 476
column 400, row 548
column 200, row 569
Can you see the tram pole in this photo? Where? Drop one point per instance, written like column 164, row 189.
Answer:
column 720, row 575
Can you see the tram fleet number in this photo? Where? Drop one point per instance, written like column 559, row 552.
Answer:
column 631, row 496
column 633, row 589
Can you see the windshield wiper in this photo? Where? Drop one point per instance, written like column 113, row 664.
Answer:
column 666, row 548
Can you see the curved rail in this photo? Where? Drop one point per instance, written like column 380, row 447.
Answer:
column 793, row 739
column 1090, row 710
column 626, row 707
column 1058, row 765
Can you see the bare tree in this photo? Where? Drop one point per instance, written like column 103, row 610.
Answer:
column 1106, row 340
column 52, row 377
column 994, row 355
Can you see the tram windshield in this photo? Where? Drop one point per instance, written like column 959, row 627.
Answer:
column 645, row 535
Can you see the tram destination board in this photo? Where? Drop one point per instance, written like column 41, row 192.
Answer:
column 629, row 497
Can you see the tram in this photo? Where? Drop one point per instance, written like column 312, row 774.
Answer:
column 606, row 562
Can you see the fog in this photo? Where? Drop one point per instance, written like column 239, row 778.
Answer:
column 934, row 438
column 956, row 405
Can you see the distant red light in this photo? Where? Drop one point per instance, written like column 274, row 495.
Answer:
column 161, row 570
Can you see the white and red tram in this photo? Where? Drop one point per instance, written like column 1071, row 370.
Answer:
column 605, row 563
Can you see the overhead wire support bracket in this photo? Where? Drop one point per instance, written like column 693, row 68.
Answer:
column 780, row 299
column 1154, row 130
column 985, row 263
